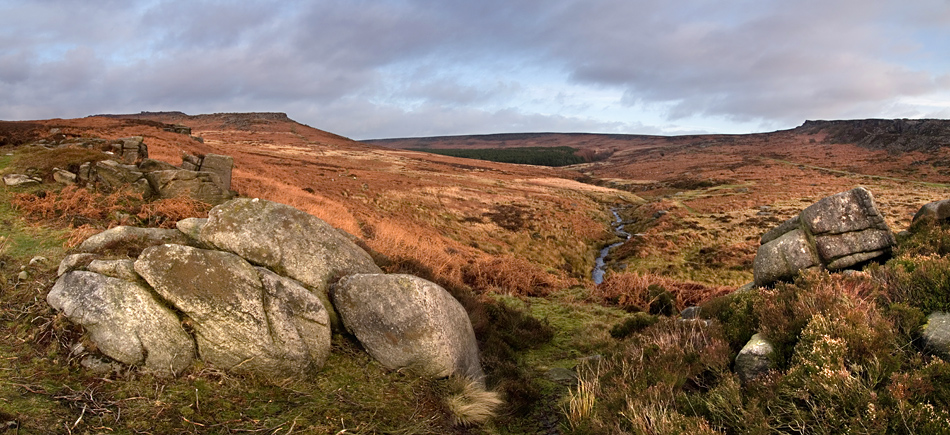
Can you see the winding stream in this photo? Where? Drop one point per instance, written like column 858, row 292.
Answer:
column 598, row 274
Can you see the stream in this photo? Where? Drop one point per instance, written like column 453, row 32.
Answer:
column 598, row 274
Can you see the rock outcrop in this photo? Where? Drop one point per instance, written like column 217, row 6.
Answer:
column 251, row 283
column 837, row 232
column 407, row 322
column 245, row 318
column 287, row 241
column 204, row 178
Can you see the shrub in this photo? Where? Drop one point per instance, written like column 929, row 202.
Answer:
column 632, row 325
column 636, row 291
column 509, row 275
column 166, row 212
column 74, row 205
column 736, row 315
column 42, row 161
column 922, row 282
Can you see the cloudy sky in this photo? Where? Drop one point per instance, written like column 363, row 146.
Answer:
column 397, row 68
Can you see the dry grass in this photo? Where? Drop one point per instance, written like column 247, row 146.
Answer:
column 510, row 276
column 165, row 213
column 75, row 205
column 632, row 289
column 471, row 403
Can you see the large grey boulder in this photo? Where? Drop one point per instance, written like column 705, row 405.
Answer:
column 131, row 240
column 407, row 322
column 935, row 211
column 125, row 321
column 202, row 186
column 837, row 232
column 288, row 241
column 936, row 334
column 245, row 319
column 755, row 358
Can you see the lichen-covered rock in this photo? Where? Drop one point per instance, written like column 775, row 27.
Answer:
column 125, row 321
column 936, row 334
column 935, row 211
column 191, row 227
column 288, row 241
column 407, row 322
column 783, row 257
column 131, row 240
column 837, row 232
column 755, row 358
column 246, row 319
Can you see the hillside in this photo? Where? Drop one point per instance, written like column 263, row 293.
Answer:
column 516, row 245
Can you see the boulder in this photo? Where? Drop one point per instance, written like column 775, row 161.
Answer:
column 20, row 180
column 407, row 322
column 288, row 241
column 245, row 319
column 783, row 258
column 131, row 240
column 63, row 176
column 130, row 149
column 755, row 358
column 935, row 211
column 837, row 232
column 202, row 186
column 125, row 321
column 936, row 334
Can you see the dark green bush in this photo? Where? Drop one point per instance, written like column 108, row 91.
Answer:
column 632, row 325
column 661, row 301
column 736, row 315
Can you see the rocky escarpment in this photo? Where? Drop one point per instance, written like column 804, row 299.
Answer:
column 253, row 289
column 895, row 135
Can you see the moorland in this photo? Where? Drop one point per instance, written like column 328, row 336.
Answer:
column 516, row 244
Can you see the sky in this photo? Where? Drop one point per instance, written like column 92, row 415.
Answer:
column 409, row 68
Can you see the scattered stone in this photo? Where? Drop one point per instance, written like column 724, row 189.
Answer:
column 23, row 276
column 20, row 180
column 690, row 313
column 755, row 358
column 63, row 176
column 288, row 241
column 936, row 334
column 125, row 321
column 38, row 261
column 246, row 319
column 407, row 322
column 747, row 287
column 660, row 213
column 562, row 376
column 99, row 366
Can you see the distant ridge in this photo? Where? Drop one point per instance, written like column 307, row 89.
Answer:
column 894, row 135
